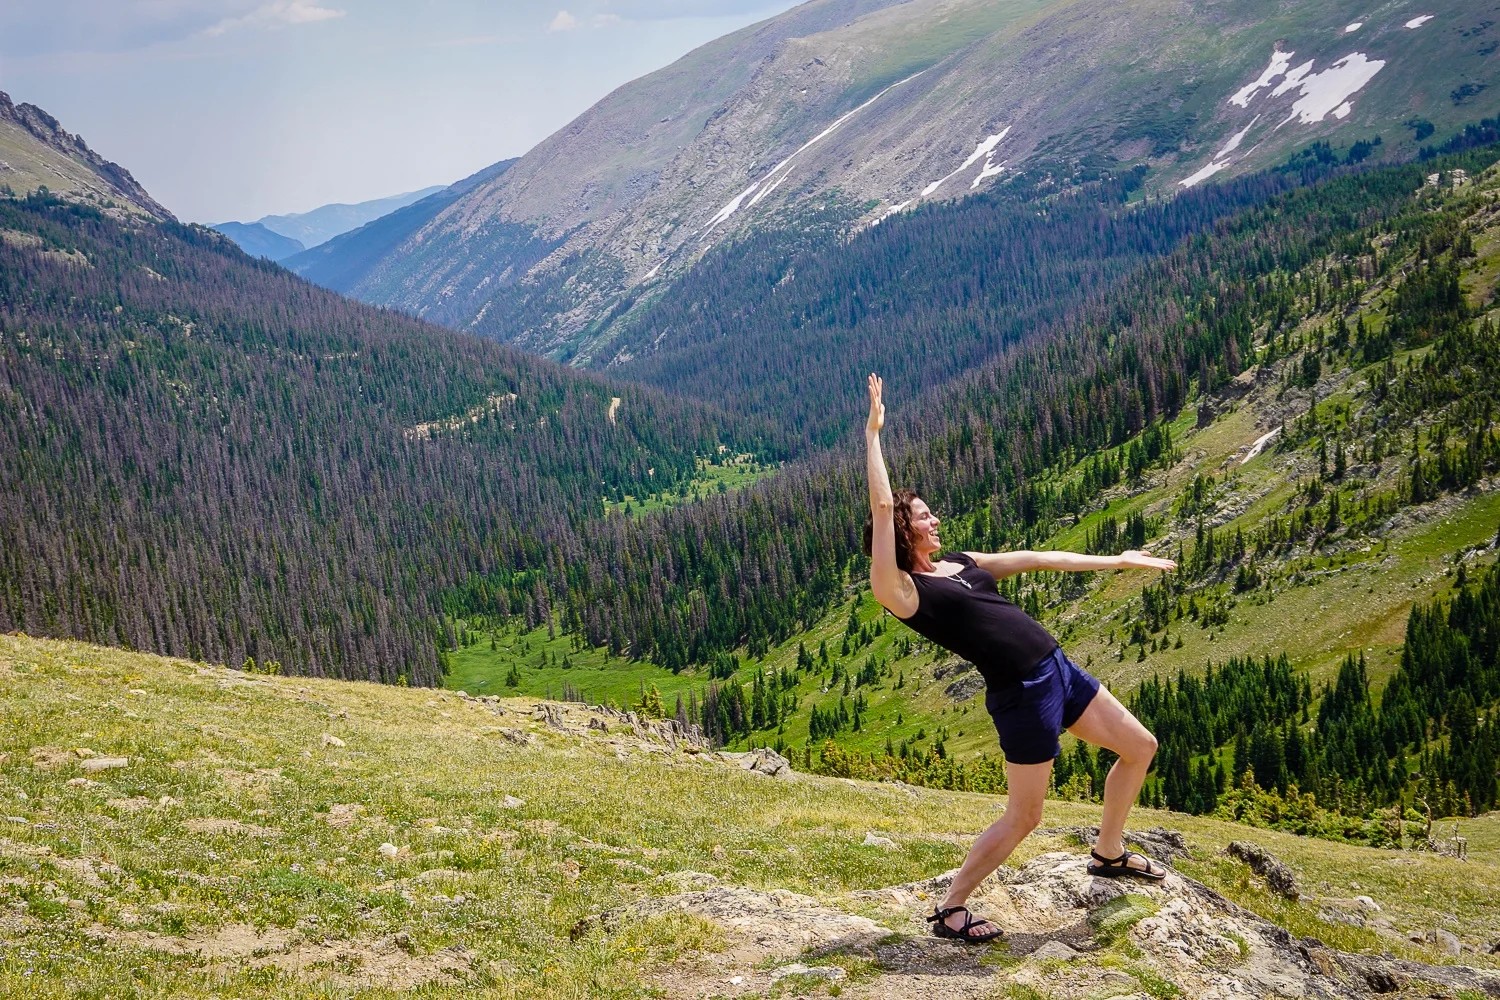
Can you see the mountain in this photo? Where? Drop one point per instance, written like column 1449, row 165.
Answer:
column 37, row 152
column 344, row 260
column 258, row 241
column 322, row 224
column 851, row 111
column 192, row 831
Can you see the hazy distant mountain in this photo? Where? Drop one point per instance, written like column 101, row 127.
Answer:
column 323, row 224
column 340, row 263
column 36, row 152
column 258, row 241
column 868, row 107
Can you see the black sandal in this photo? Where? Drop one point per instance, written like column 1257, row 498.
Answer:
column 964, row 933
column 1115, row 867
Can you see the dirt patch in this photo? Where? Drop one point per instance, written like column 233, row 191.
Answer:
column 341, row 814
column 389, row 962
column 131, row 805
column 233, row 826
column 51, row 758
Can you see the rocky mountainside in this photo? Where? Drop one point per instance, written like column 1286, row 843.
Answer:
column 863, row 108
column 36, row 152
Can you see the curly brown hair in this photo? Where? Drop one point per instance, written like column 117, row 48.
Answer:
column 901, row 514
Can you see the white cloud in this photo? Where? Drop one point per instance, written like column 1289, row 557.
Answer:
column 275, row 14
column 563, row 22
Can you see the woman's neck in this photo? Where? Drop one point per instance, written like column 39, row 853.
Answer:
column 922, row 562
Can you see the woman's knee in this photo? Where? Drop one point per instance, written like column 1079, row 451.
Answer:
column 1025, row 816
column 1141, row 747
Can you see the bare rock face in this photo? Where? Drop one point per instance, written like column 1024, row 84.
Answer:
column 48, row 131
column 1057, row 920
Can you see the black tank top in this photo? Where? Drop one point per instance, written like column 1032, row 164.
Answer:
column 965, row 614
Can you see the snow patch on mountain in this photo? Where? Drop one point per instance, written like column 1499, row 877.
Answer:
column 1220, row 160
column 777, row 174
column 1293, row 77
column 986, row 149
column 1327, row 92
column 1354, row 27
column 1417, row 22
column 1322, row 94
column 1279, row 62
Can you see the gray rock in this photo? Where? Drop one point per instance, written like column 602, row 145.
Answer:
column 966, row 686
column 871, row 840
column 1278, row 876
column 105, row 763
column 1054, row 950
column 1448, row 941
column 832, row 973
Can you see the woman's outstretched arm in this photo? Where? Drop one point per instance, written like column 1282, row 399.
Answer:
column 1003, row 564
column 892, row 587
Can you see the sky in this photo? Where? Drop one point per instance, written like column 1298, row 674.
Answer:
column 236, row 109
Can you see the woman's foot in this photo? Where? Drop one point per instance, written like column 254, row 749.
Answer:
column 957, row 923
column 1128, row 863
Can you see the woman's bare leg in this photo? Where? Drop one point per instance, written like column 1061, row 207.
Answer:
column 1107, row 723
column 1023, row 811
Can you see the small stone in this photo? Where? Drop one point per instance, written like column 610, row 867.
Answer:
column 105, row 763
column 511, row 802
column 1367, row 903
column 833, row 973
column 82, row 783
column 461, row 694
column 1054, row 950
column 736, row 980
column 136, row 691
column 1448, row 942
column 871, row 840
column 330, row 740
column 389, row 850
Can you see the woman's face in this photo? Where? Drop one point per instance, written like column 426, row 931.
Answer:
column 924, row 528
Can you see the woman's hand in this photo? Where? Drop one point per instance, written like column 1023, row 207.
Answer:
column 877, row 408
column 1136, row 559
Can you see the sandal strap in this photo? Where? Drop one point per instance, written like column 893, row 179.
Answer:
column 942, row 913
column 1123, row 861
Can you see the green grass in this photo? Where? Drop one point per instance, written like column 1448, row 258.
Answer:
column 238, row 827
column 711, row 477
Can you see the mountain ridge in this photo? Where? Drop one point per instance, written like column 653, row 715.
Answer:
column 64, row 162
column 876, row 111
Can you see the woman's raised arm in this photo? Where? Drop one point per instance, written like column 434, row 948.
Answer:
column 891, row 585
column 1003, row 564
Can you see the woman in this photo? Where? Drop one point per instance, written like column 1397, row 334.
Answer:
column 1033, row 691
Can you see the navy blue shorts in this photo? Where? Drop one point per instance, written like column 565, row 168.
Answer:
column 1030, row 713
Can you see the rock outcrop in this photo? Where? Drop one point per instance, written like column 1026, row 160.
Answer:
column 1068, row 934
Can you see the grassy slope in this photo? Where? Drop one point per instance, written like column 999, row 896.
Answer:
column 218, row 836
